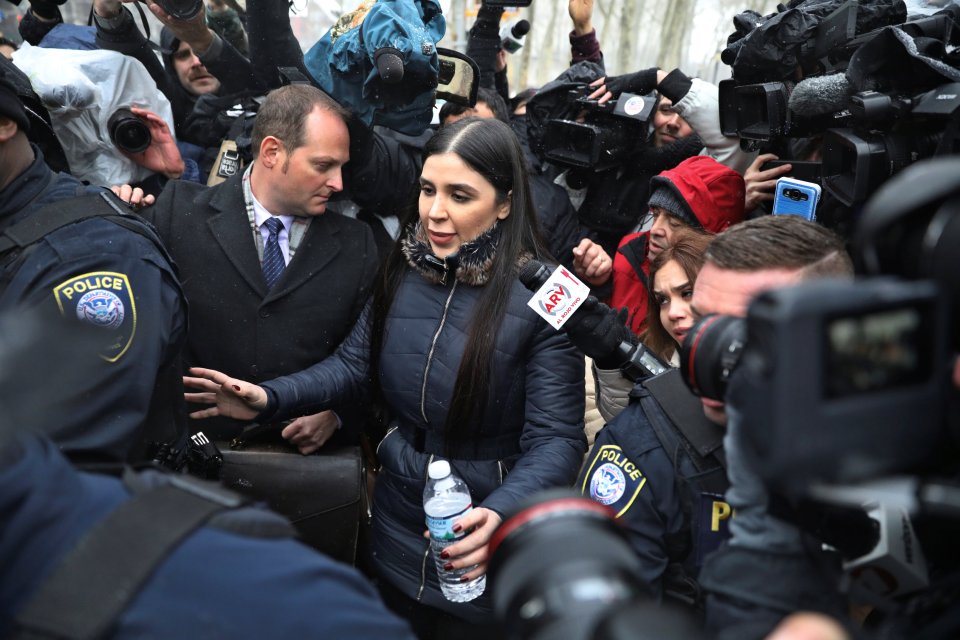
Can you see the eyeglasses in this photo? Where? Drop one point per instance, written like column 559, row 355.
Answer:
column 648, row 218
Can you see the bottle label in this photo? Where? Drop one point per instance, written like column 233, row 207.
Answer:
column 442, row 528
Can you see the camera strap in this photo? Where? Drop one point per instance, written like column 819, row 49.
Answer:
column 107, row 568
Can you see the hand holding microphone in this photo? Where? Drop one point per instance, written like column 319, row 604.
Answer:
column 596, row 329
column 601, row 333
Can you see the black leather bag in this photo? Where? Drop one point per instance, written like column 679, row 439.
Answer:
column 324, row 495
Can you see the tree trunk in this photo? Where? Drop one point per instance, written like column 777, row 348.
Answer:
column 675, row 33
column 548, row 46
column 629, row 29
column 526, row 54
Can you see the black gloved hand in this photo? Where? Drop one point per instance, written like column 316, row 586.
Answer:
column 598, row 331
column 640, row 82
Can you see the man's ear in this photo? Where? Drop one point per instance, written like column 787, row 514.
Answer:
column 503, row 209
column 271, row 152
column 8, row 128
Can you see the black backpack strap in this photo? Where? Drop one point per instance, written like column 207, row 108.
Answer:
column 98, row 579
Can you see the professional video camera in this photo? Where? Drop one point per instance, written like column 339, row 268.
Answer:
column 604, row 134
column 888, row 133
column 881, row 88
column 845, row 367
column 843, row 389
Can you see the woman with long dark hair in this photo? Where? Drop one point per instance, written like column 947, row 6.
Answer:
column 461, row 368
column 672, row 276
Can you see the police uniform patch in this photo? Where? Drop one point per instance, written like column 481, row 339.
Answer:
column 613, row 479
column 607, row 484
column 103, row 299
column 102, row 308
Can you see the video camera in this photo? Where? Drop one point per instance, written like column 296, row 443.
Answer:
column 843, row 367
column 888, row 132
column 883, row 90
column 842, row 390
column 603, row 134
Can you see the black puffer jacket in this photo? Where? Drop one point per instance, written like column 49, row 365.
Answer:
column 531, row 437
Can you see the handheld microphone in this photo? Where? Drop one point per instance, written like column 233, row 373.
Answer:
column 598, row 331
column 511, row 37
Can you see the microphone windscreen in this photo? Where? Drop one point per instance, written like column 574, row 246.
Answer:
column 520, row 29
column 820, row 95
column 533, row 275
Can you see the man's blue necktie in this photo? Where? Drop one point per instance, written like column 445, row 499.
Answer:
column 273, row 263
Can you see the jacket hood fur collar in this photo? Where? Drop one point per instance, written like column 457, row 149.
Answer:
column 471, row 264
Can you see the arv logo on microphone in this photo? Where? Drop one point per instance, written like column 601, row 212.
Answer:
column 559, row 297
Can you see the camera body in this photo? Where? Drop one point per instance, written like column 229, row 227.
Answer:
column 853, row 369
column 607, row 134
column 887, row 132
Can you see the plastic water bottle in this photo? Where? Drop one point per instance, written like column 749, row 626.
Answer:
column 446, row 499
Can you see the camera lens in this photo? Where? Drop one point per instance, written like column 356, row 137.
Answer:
column 546, row 582
column 181, row 9
column 128, row 132
column 710, row 353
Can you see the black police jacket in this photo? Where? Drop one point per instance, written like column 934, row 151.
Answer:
column 120, row 283
column 668, row 495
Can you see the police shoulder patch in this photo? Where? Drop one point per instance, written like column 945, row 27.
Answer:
column 613, row 479
column 103, row 299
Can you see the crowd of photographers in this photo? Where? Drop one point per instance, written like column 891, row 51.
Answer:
column 772, row 438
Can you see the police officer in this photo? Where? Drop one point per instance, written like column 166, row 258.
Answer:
column 659, row 465
column 76, row 253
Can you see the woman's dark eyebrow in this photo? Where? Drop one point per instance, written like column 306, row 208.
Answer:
column 462, row 187
column 679, row 288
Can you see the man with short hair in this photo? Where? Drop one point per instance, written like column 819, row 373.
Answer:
column 772, row 251
column 193, row 75
column 761, row 254
column 658, row 464
column 275, row 281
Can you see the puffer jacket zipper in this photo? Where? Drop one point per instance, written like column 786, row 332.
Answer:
column 433, row 346
column 426, row 554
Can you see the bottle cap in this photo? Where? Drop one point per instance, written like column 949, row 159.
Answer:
column 438, row 469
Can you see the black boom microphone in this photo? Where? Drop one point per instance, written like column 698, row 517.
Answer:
column 635, row 361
